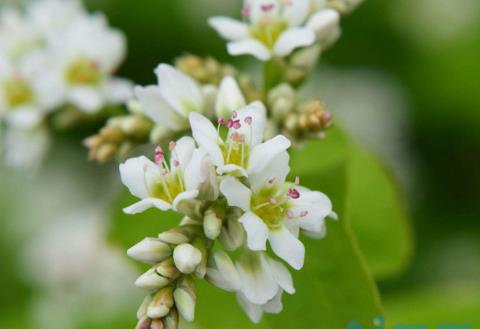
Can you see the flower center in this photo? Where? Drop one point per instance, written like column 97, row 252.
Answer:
column 83, row 71
column 18, row 92
column 235, row 149
column 268, row 29
column 272, row 204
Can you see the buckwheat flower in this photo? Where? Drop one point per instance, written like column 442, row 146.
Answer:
column 242, row 152
column 162, row 185
column 169, row 103
column 84, row 55
column 272, row 28
column 276, row 210
column 229, row 98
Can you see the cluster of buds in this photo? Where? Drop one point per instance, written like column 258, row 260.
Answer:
column 204, row 70
column 119, row 136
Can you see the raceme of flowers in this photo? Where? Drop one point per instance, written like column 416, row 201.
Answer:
column 54, row 54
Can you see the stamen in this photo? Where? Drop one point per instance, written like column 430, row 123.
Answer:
column 237, row 124
column 297, row 180
column 293, row 193
column 176, row 163
column 221, row 121
column 234, row 114
column 159, row 155
column 171, row 145
column 267, row 7
column 271, row 180
column 246, row 10
column 304, row 213
column 289, row 214
column 272, row 201
column 248, row 120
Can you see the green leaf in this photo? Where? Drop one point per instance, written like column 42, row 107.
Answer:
column 374, row 207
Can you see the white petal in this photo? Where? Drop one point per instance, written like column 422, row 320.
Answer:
column 263, row 154
column 277, row 168
column 237, row 194
column 258, row 285
column 184, row 196
column 254, row 132
column 293, row 38
column 282, row 276
column 257, row 13
column 249, row 47
column 325, row 24
column 296, row 12
column 25, row 118
column 229, row 28
column 132, row 174
column 87, row 99
column 274, row 306
column 179, row 90
column 232, row 170
column 314, row 205
column 229, row 98
column 145, row 204
column 287, row 247
column 206, row 137
column 155, row 107
column 182, row 152
column 253, row 311
column 25, row 148
column 257, row 231
column 224, row 275
column 118, row 90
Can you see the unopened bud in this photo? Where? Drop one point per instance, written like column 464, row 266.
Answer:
column 134, row 106
column 187, row 258
column 171, row 320
column 209, row 93
column 161, row 303
column 201, row 269
column 187, row 221
column 136, row 125
column 157, row 324
column 179, row 235
column 167, row 269
column 144, row 323
column 151, row 280
column 105, row 152
column 150, row 251
column 158, row 134
column 185, row 299
column 232, row 235
column 326, row 25
column 142, row 310
column 212, row 225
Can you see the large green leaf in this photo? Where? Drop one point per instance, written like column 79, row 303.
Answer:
column 375, row 210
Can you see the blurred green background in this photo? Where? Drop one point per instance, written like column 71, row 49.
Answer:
column 403, row 81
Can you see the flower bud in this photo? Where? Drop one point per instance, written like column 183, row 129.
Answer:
column 209, row 93
column 187, row 258
column 179, row 235
column 201, row 269
column 134, row 106
column 144, row 323
column 212, row 225
column 326, row 25
column 167, row 269
column 136, row 125
column 229, row 98
column 161, row 303
column 157, row 324
column 150, row 251
column 171, row 320
column 187, row 221
column 159, row 134
column 142, row 310
column 185, row 299
column 232, row 235
column 151, row 280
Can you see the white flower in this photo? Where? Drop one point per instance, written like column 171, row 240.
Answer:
column 169, row 103
column 242, row 153
column 258, row 280
column 274, row 28
column 276, row 210
column 164, row 186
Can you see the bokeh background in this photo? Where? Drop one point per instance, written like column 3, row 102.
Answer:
column 404, row 81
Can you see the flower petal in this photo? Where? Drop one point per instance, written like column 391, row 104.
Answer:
column 118, row 90
column 253, row 311
column 263, row 154
column 277, row 168
column 232, row 170
column 257, row 231
column 145, row 204
column 224, row 275
column 282, row 276
column 253, row 132
column 184, row 196
column 287, row 247
column 88, row 99
column 157, row 109
column 274, row 306
column 249, row 47
column 295, row 12
column 325, row 25
column 206, row 137
column 237, row 194
column 182, row 152
column 229, row 98
column 132, row 174
column 179, row 90
column 229, row 28
column 293, row 38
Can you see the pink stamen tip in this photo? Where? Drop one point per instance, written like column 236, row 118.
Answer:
column 293, row 193
column 297, row 180
column 272, row 201
column 304, row 213
column 267, row 7
column 159, row 155
column 326, row 117
column 248, row 120
column 246, row 11
column 237, row 124
column 271, row 180
column 230, row 123
column 171, row 145
column 221, row 121
column 234, row 114
column 176, row 163
column 289, row 214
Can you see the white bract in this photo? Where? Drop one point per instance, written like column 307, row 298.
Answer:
column 169, row 103
column 273, row 28
column 162, row 185
column 276, row 210
column 242, row 153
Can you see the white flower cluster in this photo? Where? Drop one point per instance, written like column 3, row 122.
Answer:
column 231, row 184
column 275, row 28
column 54, row 53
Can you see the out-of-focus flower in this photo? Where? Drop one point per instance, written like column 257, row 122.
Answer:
column 275, row 28
column 277, row 211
